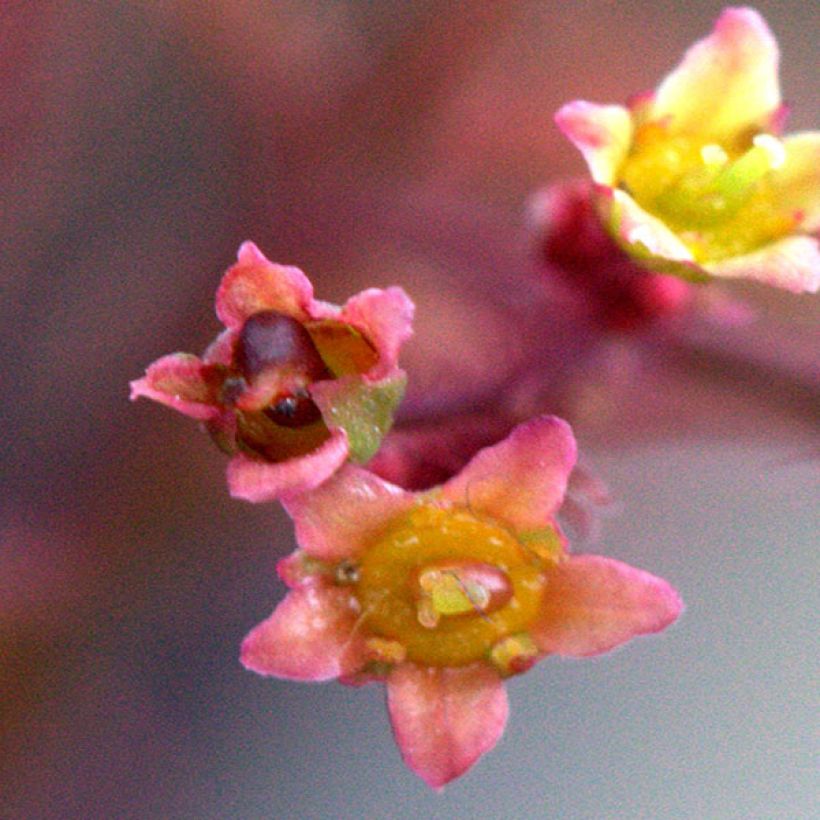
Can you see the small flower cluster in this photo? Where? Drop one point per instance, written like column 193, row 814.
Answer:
column 442, row 593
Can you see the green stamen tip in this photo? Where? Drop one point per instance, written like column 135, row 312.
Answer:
column 450, row 595
column 766, row 154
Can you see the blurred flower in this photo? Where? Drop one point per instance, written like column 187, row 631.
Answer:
column 692, row 179
column 293, row 386
column 445, row 593
column 619, row 293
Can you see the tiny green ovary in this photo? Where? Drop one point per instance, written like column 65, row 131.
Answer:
column 387, row 586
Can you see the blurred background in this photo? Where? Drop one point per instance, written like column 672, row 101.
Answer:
column 371, row 144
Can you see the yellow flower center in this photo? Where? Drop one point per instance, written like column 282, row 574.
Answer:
column 449, row 587
column 718, row 198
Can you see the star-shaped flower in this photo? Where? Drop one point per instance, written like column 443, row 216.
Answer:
column 443, row 594
column 694, row 178
column 293, row 387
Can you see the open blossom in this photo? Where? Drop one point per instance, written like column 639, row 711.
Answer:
column 694, row 179
column 445, row 593
column 293, row 387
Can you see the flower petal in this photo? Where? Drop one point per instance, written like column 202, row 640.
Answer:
column 181, row 381
column 337, row 519
column 522, row 479
column 592, row 604
column 254, row 284
column 259, row 481
column 726, row 83
column 385, row 317
column 792, row 263
column 602, row 133
column 796, row 186
column 444, row 719
column 220, row 350
column 310, row 636
column 644, row 236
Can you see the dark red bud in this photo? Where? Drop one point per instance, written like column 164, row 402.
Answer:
column 270, row 339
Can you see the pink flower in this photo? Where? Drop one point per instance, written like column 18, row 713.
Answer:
column 443, row 594
column 694, row 179
column 618, row 293
column 293, row 387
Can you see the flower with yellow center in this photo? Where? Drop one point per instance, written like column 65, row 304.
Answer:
column 694, row 179
column 442, row 594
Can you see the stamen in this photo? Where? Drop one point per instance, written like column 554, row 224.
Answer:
column 766, row 154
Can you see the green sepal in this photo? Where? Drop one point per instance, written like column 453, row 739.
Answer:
column 363, row 409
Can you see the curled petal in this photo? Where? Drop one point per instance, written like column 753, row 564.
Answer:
column 796, row 186
column 338, row 518
column 181, row 381
column 792, row 263
column 740, row 58
column 385, row 317
column 311, row 636
column 220, row 350
column 592, row 604
column 259, row 481
column 444, row 719
column 644, row 236
column 602, row 133
column 522, row 479
column 255, row 284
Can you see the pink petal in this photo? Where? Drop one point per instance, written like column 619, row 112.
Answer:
column 220, row 350
column 726, row 83
column 338, row 518
column 385, row 317
column 310, row 636
column 592, row 604
column 258, row 481
column 254, row 284
column 792, row 263
column 181, row 381
column 522, row 479
column 602, row 133
column 444, row 719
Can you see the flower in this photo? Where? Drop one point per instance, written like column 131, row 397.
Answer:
column 293, row 387
column 616, row 292
column 693, row 179
column 443, row 594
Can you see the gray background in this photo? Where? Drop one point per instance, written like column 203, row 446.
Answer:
column 371, row 144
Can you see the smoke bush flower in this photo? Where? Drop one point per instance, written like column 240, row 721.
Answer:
column 443, row 594
column 694, row 178
column 293, row 387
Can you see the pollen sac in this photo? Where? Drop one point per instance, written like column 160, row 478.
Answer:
column 296, row 409
column 515, row 654
column 270, row 339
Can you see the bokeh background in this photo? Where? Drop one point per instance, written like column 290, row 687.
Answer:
column 371, row 143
